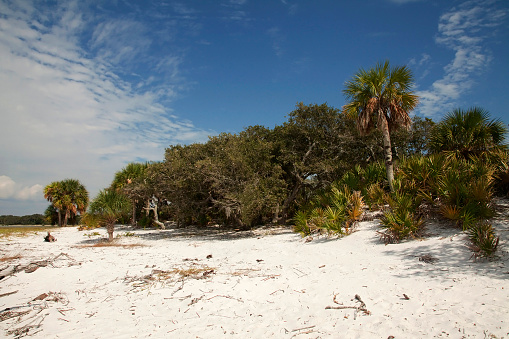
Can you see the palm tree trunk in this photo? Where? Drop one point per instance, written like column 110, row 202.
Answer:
column 387, row 151
column 66, row 217
column 59, row 218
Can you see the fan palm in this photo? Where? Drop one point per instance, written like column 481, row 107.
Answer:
column 381, row 97
column 468, row 133
column 108, row 206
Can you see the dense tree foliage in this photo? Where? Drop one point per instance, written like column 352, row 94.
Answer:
column 131, row 180
column 261, row 175
column 33, row 219
column 69, row 197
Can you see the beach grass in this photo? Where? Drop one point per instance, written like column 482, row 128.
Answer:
column 6, row 232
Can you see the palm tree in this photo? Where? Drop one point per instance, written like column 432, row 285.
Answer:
column 75, row 198
column 381, row 97
column 67, row 196
column 53, row 193
column 468, row 134
column 128, row 181
column 108, row 207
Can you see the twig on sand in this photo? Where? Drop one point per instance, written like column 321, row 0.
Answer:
column 226, row 296
column 8, row 293
column 357, row 298
column 310, row 329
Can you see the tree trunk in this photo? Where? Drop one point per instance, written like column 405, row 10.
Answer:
column 387, row 151
column 59, row 218
column 156, row 217
column 133, row 220
column 291, row 198
column 110, row 228
column 66, row 217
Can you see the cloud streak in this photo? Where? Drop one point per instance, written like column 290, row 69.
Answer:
column 10, row 190
column 464, row 30
column 68, row 109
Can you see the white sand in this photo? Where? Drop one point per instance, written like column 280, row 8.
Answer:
column 267, row 283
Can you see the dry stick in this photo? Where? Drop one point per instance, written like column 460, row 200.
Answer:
column 361, row 307
column 178, row 289
column 304, row 328
column 8, row 293
column 226, row 296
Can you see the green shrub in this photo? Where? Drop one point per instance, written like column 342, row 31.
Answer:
column 482, row 240
column 400, row 225
column 400, row 221
column 333, row 212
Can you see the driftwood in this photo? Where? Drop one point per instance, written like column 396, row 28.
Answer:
column 152, row 206
column 357, row 298
column 33, row 266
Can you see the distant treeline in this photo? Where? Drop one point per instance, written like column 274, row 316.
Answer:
column 34, row 219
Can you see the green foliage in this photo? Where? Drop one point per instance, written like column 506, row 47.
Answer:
column 69, row 197
column 482, row 240
column 468, row 134
column 401, row 220
column 33, row 219
column 333, row 212
column 107, row 207
column 467, row 187
column 132, row 180
column 400, row 224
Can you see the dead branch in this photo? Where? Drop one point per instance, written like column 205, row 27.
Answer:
column 34, row 266
column 357, row 298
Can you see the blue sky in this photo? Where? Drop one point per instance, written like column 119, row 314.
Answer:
column 89, row 86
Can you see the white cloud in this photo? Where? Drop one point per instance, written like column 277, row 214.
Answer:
column 67, row 112
column 10, row 190
column 464, row 30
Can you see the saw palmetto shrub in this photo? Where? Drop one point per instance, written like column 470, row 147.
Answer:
column 333, row 212
column 400, row 220
column 482, row 240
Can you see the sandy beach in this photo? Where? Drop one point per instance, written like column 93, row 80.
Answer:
column 264, row 283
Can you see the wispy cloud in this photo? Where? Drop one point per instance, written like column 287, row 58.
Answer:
column 463, row 29
column 277, row 39
column 68, row 108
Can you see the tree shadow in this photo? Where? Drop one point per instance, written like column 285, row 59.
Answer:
column 453, row 258
column 210, row 233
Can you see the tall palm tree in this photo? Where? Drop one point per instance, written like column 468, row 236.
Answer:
column 67, row 196
column 381, row 97
column 468, row 133
column 108, row 206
